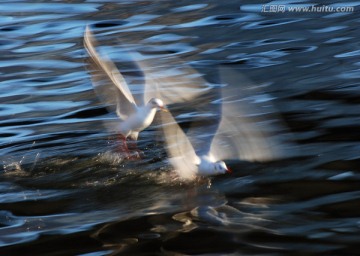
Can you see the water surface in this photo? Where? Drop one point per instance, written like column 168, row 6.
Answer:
column 64, row 193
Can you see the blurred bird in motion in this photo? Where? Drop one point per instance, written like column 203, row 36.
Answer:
column 133, row 118
column 239, row 124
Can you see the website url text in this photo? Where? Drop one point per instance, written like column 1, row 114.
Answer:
column 317, row 9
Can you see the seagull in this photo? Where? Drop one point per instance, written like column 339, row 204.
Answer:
column 111, row 87
column 238, row 127
column 158, row 82
column 183, row 157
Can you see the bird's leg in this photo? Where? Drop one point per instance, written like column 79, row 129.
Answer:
column 123, row 148
column 132, row 145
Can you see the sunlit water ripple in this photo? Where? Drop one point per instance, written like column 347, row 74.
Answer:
column 64, row 193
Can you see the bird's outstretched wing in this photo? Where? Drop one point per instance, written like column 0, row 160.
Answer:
column 249, row 128
column 109, row 85
column 188, row 92
column 170, row 79
column 180, row 151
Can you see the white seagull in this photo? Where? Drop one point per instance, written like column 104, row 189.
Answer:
column 244, row 126
column 112, row 88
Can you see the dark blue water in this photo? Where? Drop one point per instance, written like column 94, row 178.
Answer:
column 63, row 191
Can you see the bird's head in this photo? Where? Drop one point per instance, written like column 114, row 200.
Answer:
column 158, row 104
column 221, row 168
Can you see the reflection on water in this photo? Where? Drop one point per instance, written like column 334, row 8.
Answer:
column 64, row 192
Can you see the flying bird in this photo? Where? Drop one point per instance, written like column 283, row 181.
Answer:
column 240, row 124
column 112, row 88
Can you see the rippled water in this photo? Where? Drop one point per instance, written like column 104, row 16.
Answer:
column 64, row 193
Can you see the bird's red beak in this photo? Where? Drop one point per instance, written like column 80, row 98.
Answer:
column 228, row 170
